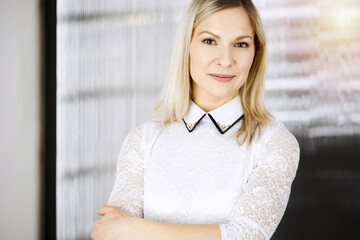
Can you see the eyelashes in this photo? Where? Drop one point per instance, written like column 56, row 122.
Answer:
column 242, row 44
column 210, row 41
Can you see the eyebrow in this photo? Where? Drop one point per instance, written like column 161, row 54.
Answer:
column 239, row 37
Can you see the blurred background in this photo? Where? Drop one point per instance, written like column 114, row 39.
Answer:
column 77, row 76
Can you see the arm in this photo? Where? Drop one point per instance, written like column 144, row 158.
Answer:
column 154, row 230
column 128, row 194
column 258, row 211
column 129, row 184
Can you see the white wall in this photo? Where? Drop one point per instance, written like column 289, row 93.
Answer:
column 19, row 119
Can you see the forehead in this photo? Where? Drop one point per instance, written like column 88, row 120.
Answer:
column 230, row 21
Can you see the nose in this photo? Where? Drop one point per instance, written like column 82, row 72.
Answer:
column 225, row 58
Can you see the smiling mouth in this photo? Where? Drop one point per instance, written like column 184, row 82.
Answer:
column 222, row 77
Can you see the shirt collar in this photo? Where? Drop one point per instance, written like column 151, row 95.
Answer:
column 223, row 117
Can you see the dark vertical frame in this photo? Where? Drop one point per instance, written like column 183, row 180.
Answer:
column 48, row 158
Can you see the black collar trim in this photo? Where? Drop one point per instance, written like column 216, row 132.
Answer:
column 223, row 128
column 190, row 127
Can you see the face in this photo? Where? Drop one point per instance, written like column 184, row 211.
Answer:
column 221, row 54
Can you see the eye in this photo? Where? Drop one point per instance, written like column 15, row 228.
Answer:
column 209, row 41
column 242, row 45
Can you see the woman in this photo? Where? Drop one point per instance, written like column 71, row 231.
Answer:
column 212, row 163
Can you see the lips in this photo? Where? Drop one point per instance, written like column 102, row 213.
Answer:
column 222, row 77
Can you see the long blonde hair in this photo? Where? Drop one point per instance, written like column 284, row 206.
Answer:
column 176, row 96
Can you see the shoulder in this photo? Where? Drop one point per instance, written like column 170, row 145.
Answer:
column 278, row 149
column 144, row 128
column 149, row 127
column 143, row 133
column 277, row 138
column 282, row 134
column 275, row 129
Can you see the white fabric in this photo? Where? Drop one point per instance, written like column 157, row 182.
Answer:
column 225, row 115
column 205, row 177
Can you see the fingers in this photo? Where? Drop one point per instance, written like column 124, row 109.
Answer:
column 109, row 209
column 104, row 210
column 97, row 222
column 95, row 231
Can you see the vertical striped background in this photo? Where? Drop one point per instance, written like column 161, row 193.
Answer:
column 112, row 60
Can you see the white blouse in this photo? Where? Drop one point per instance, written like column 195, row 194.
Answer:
column 194, row 172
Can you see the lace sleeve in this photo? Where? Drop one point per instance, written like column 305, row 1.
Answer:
column 129, row 184
column 258, row 211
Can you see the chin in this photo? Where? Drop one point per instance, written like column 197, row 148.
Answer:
column 222, row 94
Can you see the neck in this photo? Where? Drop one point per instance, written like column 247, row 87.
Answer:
column 209, row 102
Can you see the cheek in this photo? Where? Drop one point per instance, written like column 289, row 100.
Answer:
column 198, row 59
column 245, row 62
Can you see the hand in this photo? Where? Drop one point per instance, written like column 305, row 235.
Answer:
column 115, row 225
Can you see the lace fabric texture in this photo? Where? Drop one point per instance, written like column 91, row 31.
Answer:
column 257, row 209
column 260, row 208
column 128, row 189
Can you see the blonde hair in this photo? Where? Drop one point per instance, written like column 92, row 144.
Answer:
column 176, row 96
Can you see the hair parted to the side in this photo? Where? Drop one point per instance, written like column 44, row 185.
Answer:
column 176, row 96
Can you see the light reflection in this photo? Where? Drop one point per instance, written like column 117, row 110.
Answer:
column 313, row 68
column 343, row 20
